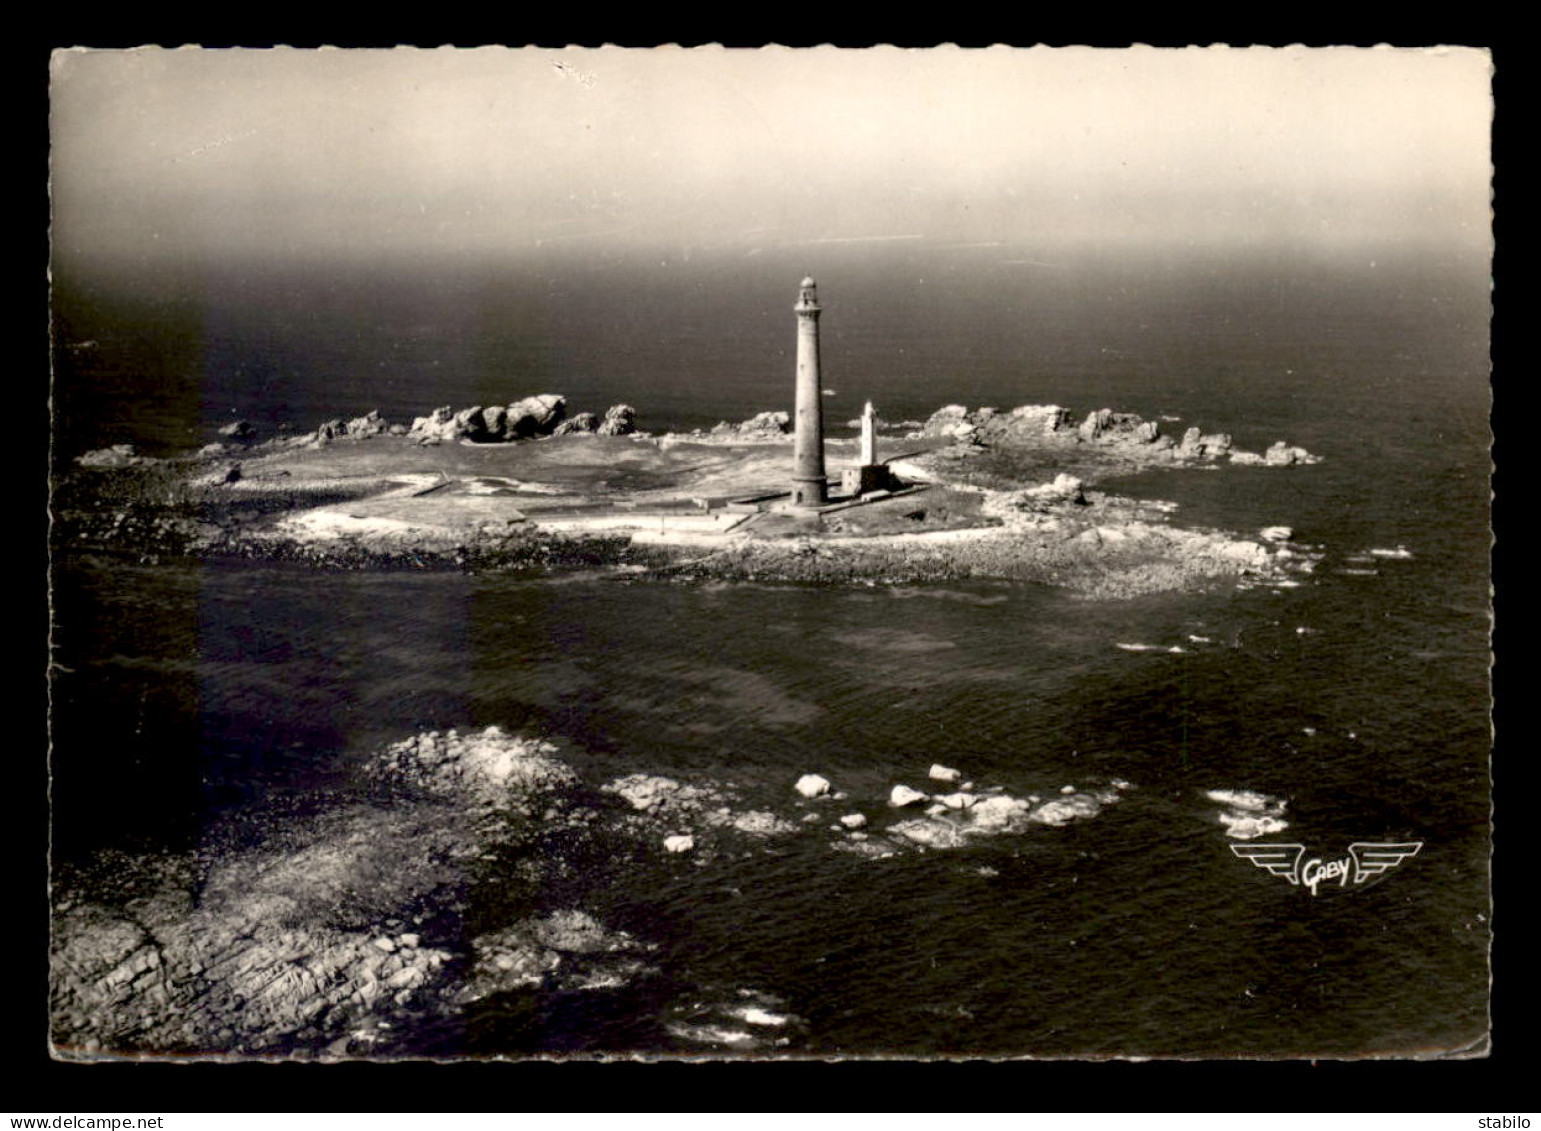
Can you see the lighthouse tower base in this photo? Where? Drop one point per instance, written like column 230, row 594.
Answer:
column 810, row 493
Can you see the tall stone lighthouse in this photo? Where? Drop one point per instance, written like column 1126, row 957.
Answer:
column 809, row 488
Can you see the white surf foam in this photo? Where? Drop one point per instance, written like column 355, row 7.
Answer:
column 1248, row 813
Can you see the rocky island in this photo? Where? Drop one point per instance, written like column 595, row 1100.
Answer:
column 320, row 938
column 983, row 493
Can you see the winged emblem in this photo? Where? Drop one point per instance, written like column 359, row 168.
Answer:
column 1373, row 858
column 1279, row 859
column 1365, row 860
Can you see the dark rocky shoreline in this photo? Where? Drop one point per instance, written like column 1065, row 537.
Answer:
column 316, row 937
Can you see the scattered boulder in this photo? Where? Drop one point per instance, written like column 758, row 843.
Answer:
column 239, row 430
column 664, row 798
column 1067, row 809
column 470, row 424
column 902, row 795
column 1041, row 419
column 329, row 431
column 943, row 773
column 757, row 822
column 949, row 421
column 1095, row 424
column 1276, row 533
column 1215, row 443
column 437, row 425
column 1105, row 425
column 760, row 426
column 620, row 420
column 812, row 785
column 363, row 427
column 534, row 416
column 495, row 422
column 219, row 475
column 579, row 424
column 930, row 833
column 679, row 843
column 1197, row 445
column 854, row 821
column 998, row 814
column 119, row 455
column 1064, row 488
column 1281, row 454
column 1248, row 814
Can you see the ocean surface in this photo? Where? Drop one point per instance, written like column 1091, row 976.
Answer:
column 1360, row 699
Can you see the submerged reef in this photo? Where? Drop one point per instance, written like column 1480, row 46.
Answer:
column 460, row 868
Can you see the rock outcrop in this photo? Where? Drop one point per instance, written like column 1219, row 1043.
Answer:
column 1248, row 814
column 487, row 769
column 1124, row 432
column 316, row 936
column 760, row 426
column 370, row 424
column 812, row 785
column 620, row 420
column 1056, row 497
column 222, row 474
column 532, row 416
column 327, row 936
column 276, row 945
column 702, row 814
column 583, row 423
column 118, row 455
column 567, row 950
column 952, row 421
column 1281, row 454
column 1196, row 445
column 525, row 419
column 1029, row 423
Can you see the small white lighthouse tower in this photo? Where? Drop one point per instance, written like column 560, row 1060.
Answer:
column 867, row 474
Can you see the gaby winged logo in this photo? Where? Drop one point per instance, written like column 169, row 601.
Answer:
column 1365, row 859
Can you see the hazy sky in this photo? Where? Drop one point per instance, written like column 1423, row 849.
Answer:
column 300, row 153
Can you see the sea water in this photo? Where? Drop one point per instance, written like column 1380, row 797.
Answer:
column 1359, row 699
